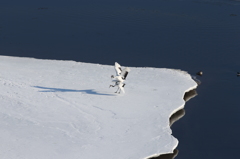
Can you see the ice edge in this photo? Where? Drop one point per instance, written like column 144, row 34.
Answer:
column 174, row 111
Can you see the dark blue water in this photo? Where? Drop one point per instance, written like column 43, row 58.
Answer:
column 191, row 35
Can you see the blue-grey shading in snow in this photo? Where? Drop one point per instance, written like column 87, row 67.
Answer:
column 87, row 91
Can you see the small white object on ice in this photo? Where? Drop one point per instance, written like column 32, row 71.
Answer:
column 120, row 77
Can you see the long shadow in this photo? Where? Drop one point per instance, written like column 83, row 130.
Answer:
column 87, row 91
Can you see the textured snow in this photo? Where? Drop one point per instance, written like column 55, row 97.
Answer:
column 65, row 109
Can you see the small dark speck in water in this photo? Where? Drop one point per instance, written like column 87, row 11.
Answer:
column 200, row 73
column 233, row 15
column 42, row 8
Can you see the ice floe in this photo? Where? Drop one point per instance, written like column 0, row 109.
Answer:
column 65, row 109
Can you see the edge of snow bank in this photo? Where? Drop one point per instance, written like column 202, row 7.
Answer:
column 191, row 93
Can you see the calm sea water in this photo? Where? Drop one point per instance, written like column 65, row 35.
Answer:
column 191, row 35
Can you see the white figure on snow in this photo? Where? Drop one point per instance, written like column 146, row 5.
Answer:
column 120, row 77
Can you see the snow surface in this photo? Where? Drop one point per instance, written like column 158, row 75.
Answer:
column 65, row 110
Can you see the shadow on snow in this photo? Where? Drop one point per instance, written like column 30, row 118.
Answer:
column 87, row 91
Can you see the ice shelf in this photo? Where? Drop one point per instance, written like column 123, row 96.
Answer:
column 65, row 110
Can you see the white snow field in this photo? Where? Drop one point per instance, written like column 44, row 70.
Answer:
column 53, row 109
